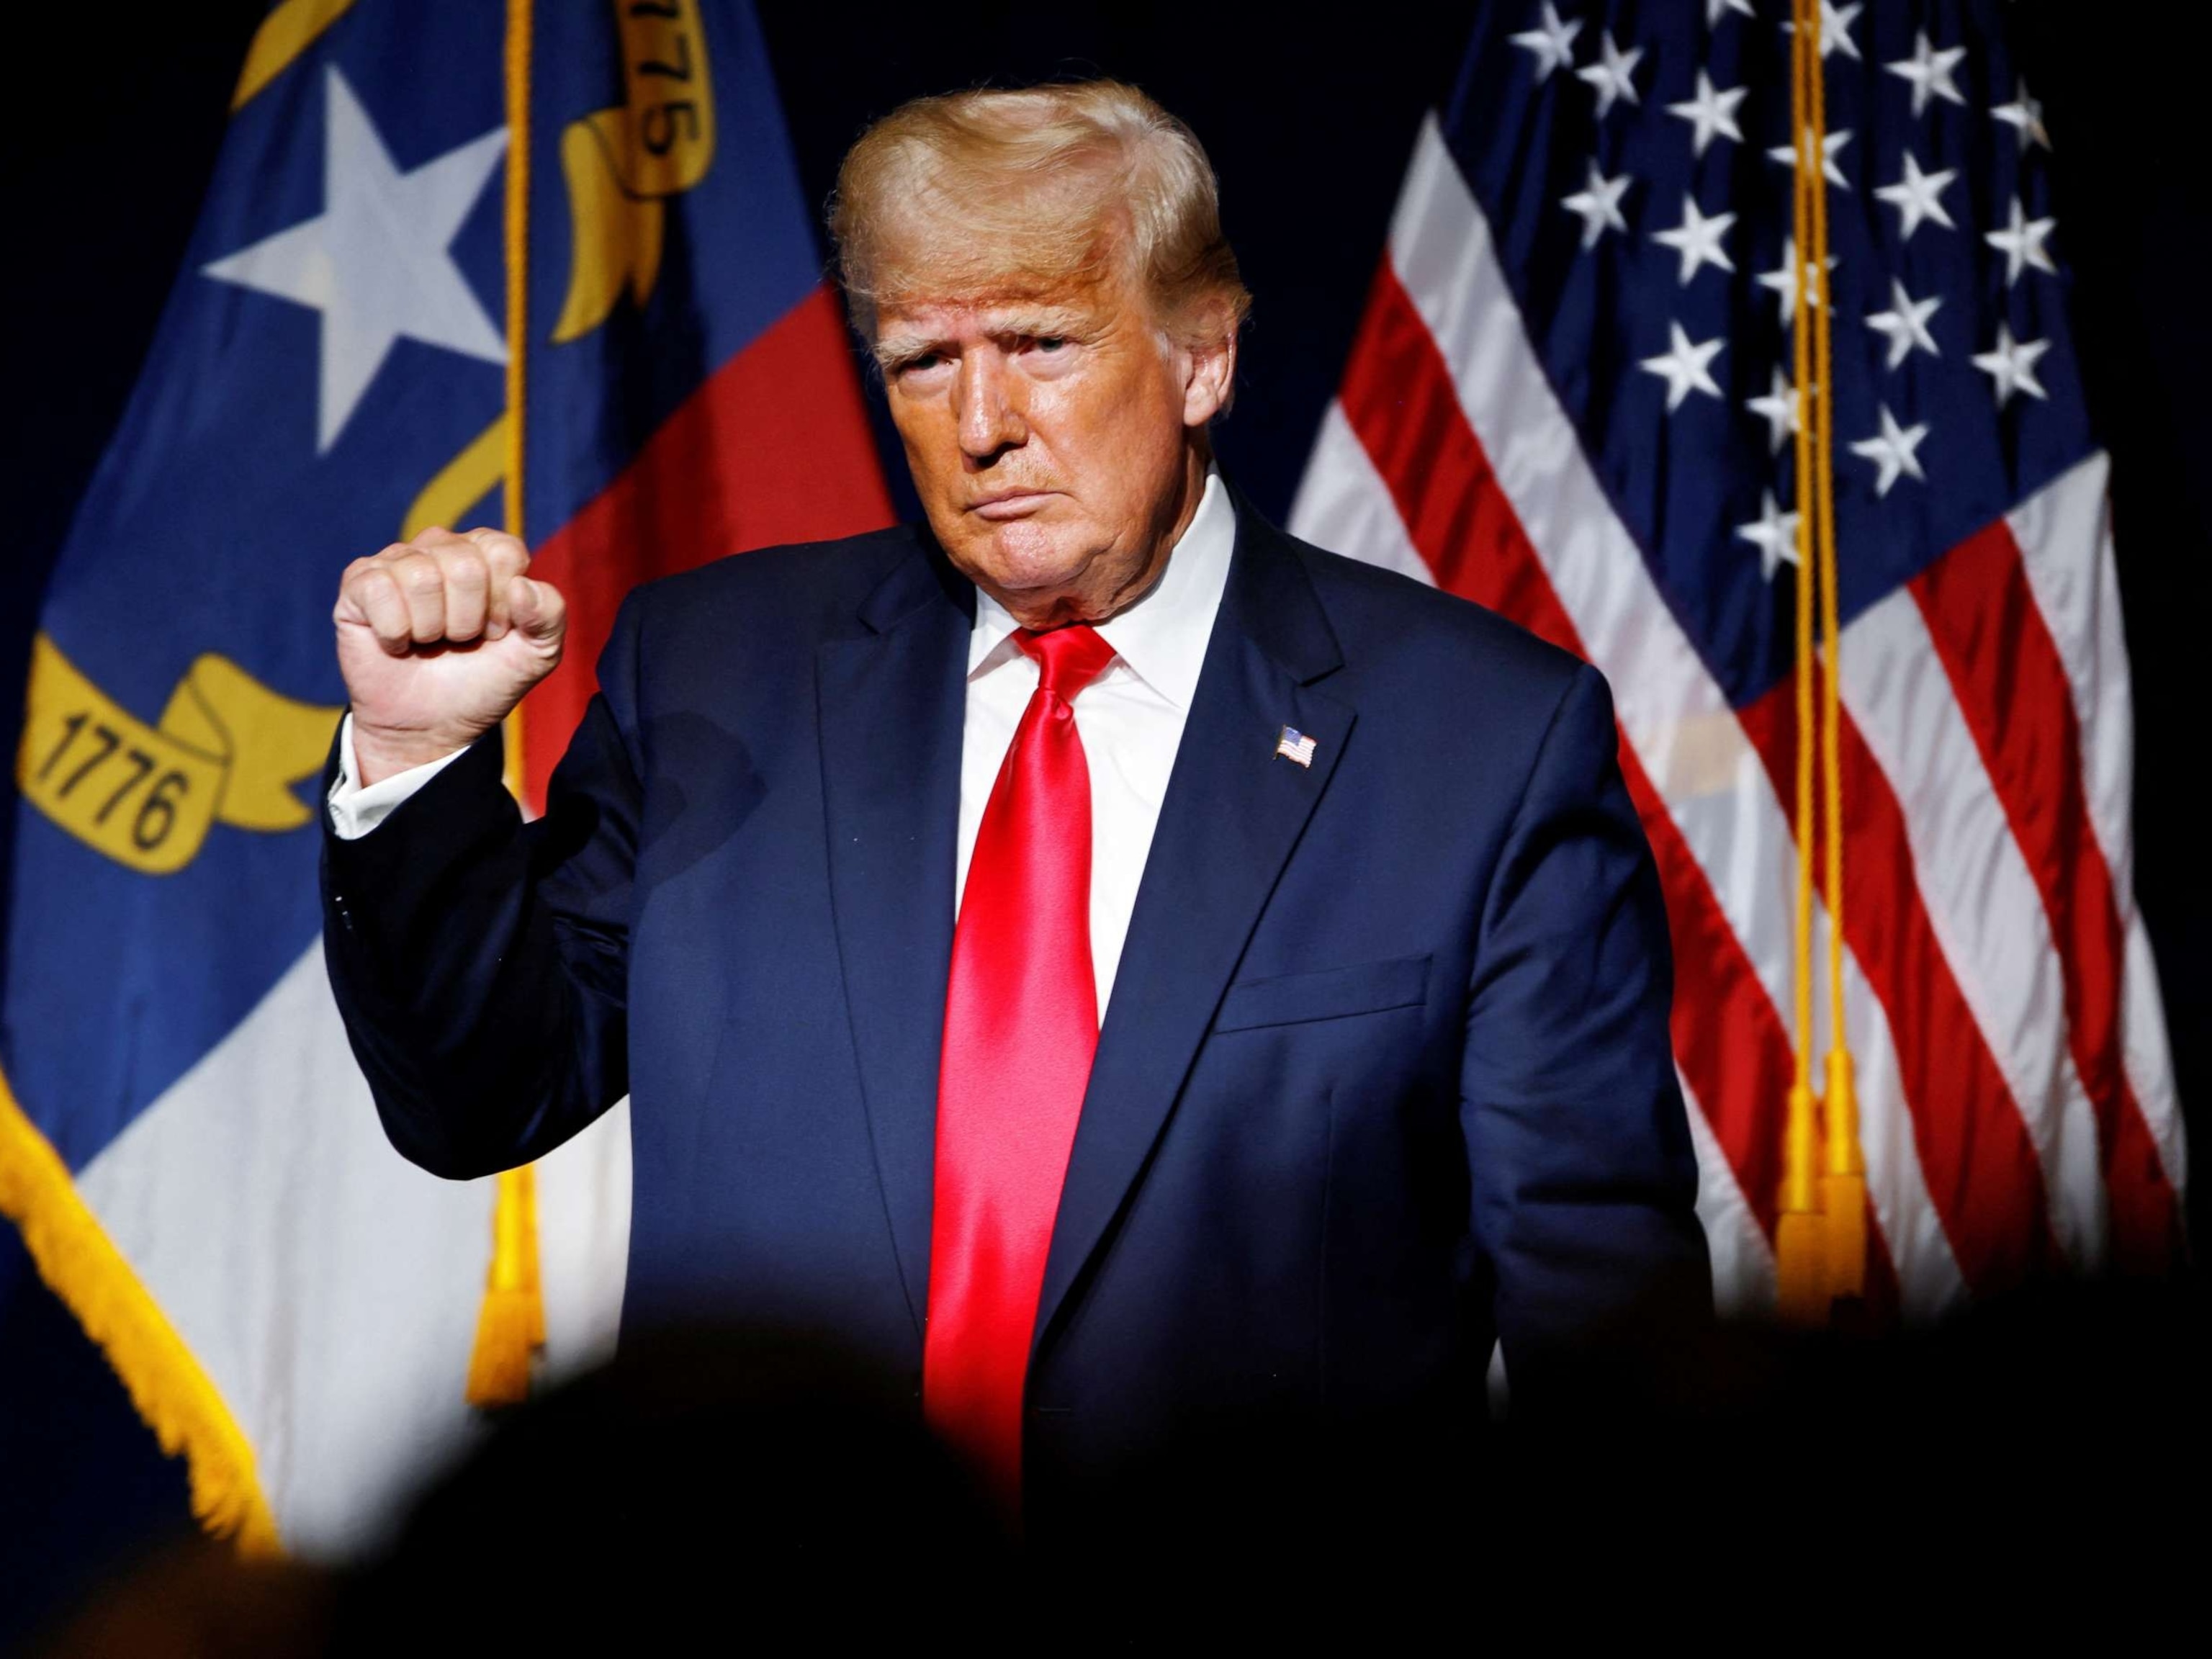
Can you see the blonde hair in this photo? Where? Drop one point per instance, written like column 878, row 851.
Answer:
column 988, row 196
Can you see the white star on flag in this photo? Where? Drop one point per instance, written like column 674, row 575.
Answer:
column 1551, row 40
column 2011, row 364
column 1716, row 9
column 1774, row 533
column 1710, row 111
column 1684, row 367
column 1697, row 240
column 1835, row 29
column 2021, row 243
column 375, row 262
column 1916, row 196
column 1830, row 147
column 1609, row 74
column 1891, row 450
column 2025, row 115
column 1906, row 323
column 1598, row 201
column 1784, row 279
column 1779, row 409
column 1930, row 72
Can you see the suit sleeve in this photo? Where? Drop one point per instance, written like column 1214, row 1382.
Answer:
column 481, row 964
column 1584, row 1179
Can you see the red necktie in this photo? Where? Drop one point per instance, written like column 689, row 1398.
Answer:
column 1021, row 1024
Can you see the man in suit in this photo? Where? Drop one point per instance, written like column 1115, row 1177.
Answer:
column 1171, row 993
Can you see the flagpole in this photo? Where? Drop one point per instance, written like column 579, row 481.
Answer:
column 511, row 1323
column 516, row 218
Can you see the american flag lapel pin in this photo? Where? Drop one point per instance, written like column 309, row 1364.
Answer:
column 1295, row 745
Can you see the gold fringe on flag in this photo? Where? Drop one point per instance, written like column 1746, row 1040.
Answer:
column 166, row 1381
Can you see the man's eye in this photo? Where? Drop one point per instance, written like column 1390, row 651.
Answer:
column 1049, row 342
column 927, row 359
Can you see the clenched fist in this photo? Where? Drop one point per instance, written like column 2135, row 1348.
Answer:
column 438, row 639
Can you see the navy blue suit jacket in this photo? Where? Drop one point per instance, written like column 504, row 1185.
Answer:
column 1386, row 1069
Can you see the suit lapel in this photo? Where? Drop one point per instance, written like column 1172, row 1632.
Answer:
column 1233, row 812
column 893, row 702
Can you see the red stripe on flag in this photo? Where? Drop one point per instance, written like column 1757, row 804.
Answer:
column 1398, row 399
column 773, row 447
column 1982, row 1170
column 2011, row 685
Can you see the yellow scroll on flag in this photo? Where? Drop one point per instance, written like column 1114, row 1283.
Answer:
column 622, row 163
column 225, row 750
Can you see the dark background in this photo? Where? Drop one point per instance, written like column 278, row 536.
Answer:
column 1309, row 126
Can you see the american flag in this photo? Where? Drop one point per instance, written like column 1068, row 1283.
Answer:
column 1569, row 398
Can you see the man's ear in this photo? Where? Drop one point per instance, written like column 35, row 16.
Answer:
column 1212, row 380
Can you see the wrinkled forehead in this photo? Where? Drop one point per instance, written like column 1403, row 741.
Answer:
column 1036, row 309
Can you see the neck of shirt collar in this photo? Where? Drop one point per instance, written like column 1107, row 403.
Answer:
column 1161, row 638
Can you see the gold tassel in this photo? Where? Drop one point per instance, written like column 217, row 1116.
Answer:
column 511, row 1324
column 1842, row 1189
column 1800, row 1233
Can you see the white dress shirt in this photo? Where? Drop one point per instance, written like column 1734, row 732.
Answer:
column 1130, row 719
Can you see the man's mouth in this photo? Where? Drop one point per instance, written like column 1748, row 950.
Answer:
column 1001, row 504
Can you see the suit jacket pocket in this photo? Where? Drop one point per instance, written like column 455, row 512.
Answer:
column 1332, row 994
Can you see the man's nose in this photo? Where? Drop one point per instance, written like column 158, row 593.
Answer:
column 990, row 421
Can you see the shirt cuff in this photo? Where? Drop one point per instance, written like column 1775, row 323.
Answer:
column 355, row 808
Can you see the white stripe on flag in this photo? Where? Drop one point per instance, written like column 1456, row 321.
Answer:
column 2149, row 1060
column 329, row 1287
column 2064, row 535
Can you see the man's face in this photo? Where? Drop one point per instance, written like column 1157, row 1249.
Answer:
column 1055, row 443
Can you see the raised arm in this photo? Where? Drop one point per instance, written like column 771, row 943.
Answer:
column 479, row 964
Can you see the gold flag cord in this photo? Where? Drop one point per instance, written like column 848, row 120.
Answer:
column 511, row 1323
column 1797, row 1229
column 1843, row 1180
column 1820, row 1236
